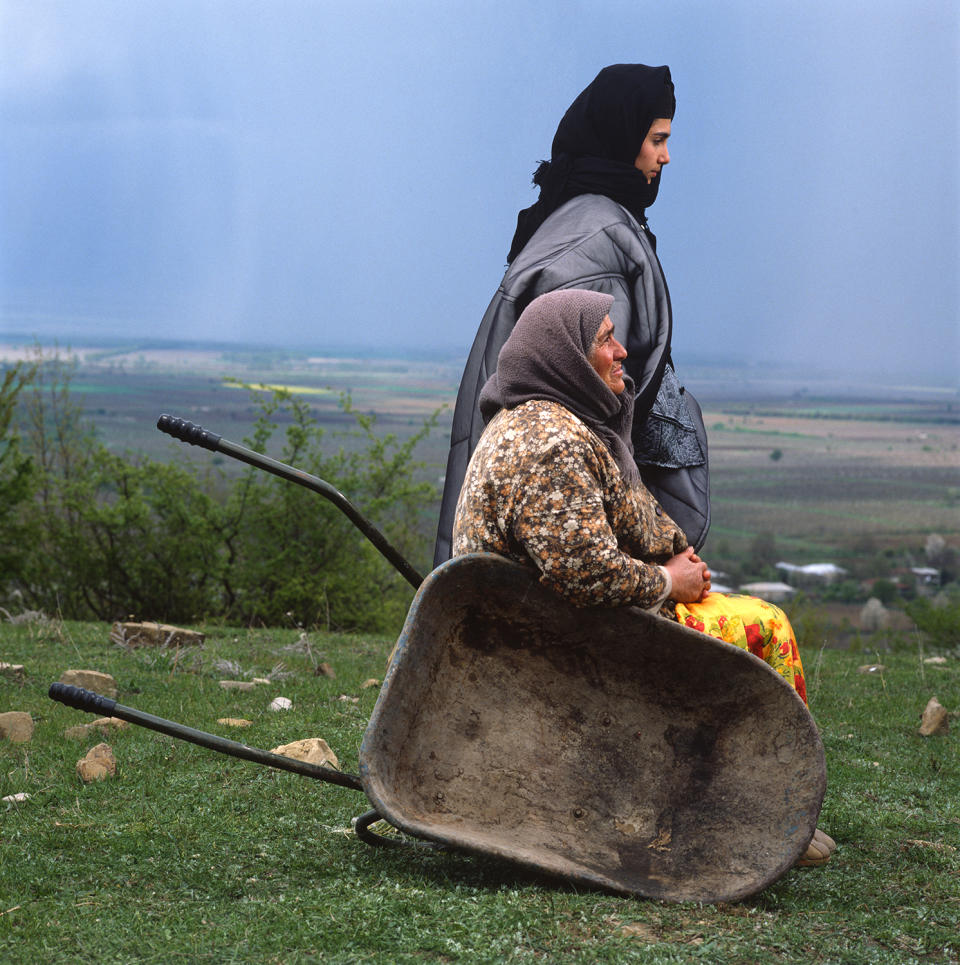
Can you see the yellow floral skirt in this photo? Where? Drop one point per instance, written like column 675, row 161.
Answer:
column 751, row 624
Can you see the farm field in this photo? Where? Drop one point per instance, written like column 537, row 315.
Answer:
column 849, row 476
column 826, row 474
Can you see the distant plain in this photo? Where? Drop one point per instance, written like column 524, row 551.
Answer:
column 829, row 469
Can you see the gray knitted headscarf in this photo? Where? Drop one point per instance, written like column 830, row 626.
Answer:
column 547, row 357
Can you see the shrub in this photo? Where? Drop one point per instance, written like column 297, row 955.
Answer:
column 108, row 535
column 16, row 473
column 296, row 557
column 104, row 535
column 885, row 591
column 938, row 619
column 844, row 591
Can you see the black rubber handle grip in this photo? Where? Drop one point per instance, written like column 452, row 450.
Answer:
column 80, row 699
column 188, row 432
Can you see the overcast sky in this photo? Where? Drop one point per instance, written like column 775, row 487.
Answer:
column 346, row 175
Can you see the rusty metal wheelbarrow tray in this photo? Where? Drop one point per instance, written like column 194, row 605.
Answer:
column 608, row 746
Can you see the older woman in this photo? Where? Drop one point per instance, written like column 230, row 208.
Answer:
column 589, row 230
column 553, row 484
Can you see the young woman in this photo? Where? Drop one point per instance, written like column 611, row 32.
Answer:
column 589, row 230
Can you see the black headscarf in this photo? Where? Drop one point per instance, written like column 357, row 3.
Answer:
column 547, row 357
column 597, row 142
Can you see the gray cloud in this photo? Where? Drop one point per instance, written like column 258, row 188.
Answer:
column 334, row 175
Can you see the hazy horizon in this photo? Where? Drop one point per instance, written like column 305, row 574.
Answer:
column 707, row 377
column 319, row 177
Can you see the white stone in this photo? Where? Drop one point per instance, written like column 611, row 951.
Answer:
column 14, row 671
column 98, row 765
column 100, row 683
column 934, row 719
column 154, row 635
column 102, row 724
column 313, row 750
column 16, row 726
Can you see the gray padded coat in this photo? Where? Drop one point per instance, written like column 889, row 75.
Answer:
column 592, row 242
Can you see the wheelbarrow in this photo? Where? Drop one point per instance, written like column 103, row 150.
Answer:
column 610, row 747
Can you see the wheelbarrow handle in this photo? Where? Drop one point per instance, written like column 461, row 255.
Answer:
column 198, row 436
column 88, row 700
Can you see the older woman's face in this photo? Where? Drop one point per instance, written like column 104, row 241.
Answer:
column 606, row 356
column 653, row 152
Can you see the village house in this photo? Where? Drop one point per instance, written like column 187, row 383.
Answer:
column 773, row 592
column 811, row 574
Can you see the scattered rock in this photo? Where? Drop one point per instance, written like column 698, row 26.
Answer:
column 325, row 670
column 941, row 846
column 935, row 660
column 13, row 671
column 154, row 635
column 16, row 726
column 372, row 682
column 871, row 668
column 934, row 719
column 98, row 765
column 346, row 698
column 235, row 721
column 228, row 666
column 101, row 683
column 17, row 798
column 641, row 930
column 237, row 684
column 281, row 703
column 28, row 616
column 102, row 724
column 313, row 750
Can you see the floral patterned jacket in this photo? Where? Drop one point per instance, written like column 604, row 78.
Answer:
column 542, row 488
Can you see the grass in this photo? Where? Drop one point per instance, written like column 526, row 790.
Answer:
column 189, row 856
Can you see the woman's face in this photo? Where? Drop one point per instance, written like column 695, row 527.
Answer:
column 653, row 153
column 606, row 357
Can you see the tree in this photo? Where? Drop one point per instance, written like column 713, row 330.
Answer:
column 112, row 535
column 874, row 616
column 942, row 557
column 939, row 619
column 16, row 473
column 109, row 535
column 763, row 551
column 296, row 557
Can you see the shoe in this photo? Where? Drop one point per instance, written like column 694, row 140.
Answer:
column 818, row 851
column 823, row 838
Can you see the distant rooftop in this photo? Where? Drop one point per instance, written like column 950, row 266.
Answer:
column 773, row 591
column 813, row 569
